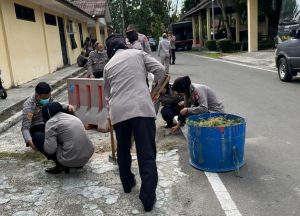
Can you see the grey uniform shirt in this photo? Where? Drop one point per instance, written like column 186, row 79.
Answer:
column 144, row 43
column 96, row 61
column 125, row 88
column 32, row 116
column 66, row 136
column 203, row 100
column 164, row 48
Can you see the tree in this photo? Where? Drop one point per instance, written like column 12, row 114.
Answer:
column 188, row 5
column 225, row 17
column 151, row 17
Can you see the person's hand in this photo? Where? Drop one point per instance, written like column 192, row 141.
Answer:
column 71, row 109
column 30, row 144
column 175, row 128
column 181, row 103
column 184, row 111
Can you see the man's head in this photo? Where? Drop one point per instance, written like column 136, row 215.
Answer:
column 115, row 42
column 131, row 27
column 164, row 35
column 131, row 33
column 182, row 85
column 99, row 46
column 43, row 92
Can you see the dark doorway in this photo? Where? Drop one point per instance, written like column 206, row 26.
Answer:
column 63, row 42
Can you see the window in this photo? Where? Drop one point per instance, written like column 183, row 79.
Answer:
column 24, row 13
column 80, row 34
column 50, row 19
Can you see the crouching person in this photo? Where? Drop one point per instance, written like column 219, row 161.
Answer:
column 66, row 141
column 198, row 99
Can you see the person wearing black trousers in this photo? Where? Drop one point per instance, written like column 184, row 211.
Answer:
column 132, row 113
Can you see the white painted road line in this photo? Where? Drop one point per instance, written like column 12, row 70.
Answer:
column 222, row 194
column 235, row 63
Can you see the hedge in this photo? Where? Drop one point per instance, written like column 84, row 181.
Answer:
column 211, row 45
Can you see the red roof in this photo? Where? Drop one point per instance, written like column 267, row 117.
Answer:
column 92, row 7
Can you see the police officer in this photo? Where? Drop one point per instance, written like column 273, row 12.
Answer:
column 33, row 126
column 132, row 112
column 96, row 61
column 137, row 40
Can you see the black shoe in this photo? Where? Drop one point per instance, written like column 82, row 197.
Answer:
column 173, row 63
column 150, row 207
column 128, row 189
column 57, row 169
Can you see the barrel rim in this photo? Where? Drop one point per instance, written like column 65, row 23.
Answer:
column 214, row 114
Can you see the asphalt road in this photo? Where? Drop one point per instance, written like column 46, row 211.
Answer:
column 270, row 179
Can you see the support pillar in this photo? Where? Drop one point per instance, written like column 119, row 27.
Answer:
column 237, row 27
column 200, row 21
column 252, row 25
column 194, row 30
column 105, row 32
column 98, row 33
column 208, row 19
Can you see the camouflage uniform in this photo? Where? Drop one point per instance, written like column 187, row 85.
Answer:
column 96, row 63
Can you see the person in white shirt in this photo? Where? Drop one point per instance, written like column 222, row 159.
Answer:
column 164, row 52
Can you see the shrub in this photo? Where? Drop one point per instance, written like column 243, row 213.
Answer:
column 225, row 45
column 211, row 45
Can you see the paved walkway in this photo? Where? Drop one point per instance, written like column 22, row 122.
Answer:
column 263, row 59
column 10, row 108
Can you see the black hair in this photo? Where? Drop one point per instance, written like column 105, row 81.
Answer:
column 182, row 85
column 50, row 110
column 115, row 42
column 42, row 88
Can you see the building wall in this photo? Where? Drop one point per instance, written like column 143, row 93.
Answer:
column 25, row 40
column 29, row 50
column 4, row 65
column 53, row 43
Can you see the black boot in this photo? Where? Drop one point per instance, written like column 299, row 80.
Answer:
column 57, row 169
column 128, row 189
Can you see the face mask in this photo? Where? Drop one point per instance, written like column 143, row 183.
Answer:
column 44, row 101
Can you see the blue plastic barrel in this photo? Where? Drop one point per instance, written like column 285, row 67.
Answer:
column 216, row 149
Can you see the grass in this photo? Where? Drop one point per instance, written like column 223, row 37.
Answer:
column 35, row 156
column 205, row 52
column 213, row 55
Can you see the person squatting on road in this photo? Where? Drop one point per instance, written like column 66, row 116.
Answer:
column 198, row 98
column 33, row 126
column 137, row 40
column 132, row 112
column 66, row 141
column 96, row 61
column 172, row 104
column 164, row 52
column 172, row 40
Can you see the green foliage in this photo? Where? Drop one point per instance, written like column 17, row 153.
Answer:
column 188, row 4
column 211, row 45
column 215, row 122
column 151, row 17
column 225, row 45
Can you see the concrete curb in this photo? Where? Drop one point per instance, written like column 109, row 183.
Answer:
column 12, row 120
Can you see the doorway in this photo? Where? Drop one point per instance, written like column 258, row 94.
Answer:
column 63, row 42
